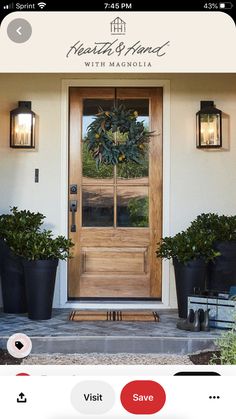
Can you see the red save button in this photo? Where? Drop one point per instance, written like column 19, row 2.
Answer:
column 143, row 397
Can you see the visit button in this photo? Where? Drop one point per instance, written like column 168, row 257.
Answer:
column 143, row 397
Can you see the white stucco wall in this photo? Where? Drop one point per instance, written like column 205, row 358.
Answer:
column 200, row 181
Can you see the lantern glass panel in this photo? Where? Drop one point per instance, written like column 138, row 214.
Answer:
column 210, row 129
column 22, row 129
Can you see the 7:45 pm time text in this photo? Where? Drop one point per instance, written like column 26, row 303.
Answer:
column 118, row 6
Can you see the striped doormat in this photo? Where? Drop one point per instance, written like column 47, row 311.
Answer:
column 118, row 315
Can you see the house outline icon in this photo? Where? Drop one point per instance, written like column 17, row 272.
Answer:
column 118, row 26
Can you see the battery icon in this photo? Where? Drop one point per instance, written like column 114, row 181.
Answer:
column 227, row 5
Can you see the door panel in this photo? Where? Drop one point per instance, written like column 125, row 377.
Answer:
column 119, row 217
column 124, row 260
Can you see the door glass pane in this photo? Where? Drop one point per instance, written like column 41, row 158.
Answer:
column 133, row 170
column 132, row 206
column 91, row 171
column 97, row 206
column 89, row 168
column 131, row 193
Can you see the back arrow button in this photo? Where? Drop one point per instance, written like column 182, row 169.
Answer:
column 19, row 30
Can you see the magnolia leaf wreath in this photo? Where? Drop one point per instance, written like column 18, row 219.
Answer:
column 116, row 137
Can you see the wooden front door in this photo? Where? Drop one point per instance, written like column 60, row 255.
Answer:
column 118, row 220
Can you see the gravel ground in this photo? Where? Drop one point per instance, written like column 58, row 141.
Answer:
column 7, row 359
column 107, row 359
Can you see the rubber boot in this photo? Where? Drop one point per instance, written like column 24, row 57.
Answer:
column 205, row 324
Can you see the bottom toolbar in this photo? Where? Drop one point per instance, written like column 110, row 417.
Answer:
column 92, row 396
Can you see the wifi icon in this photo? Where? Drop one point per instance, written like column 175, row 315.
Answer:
column 41, row 5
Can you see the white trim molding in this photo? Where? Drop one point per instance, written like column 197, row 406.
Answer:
column 114, row 82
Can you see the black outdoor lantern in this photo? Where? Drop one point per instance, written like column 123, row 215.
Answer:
column 22, row 126
column 209, row 126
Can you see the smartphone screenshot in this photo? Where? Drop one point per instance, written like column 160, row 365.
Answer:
column 117, row 210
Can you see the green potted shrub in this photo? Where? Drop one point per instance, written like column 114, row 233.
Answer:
column 40, row 253
column 11, row 268
column 225, row 353
column 190, row 251
column 222, row 270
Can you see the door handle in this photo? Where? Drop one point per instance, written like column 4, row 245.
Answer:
column 73, row 209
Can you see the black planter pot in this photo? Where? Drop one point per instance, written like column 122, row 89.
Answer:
column 187, row 277
column 13, row 284
column 222, row 272
column 4, row 250
column 40, row 278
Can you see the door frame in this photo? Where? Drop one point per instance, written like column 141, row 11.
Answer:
column 64, row 176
